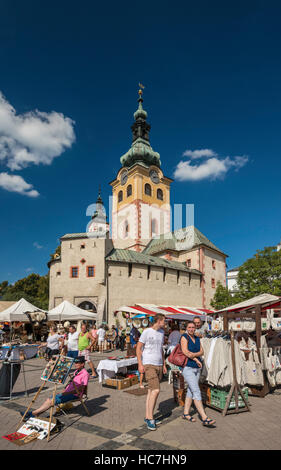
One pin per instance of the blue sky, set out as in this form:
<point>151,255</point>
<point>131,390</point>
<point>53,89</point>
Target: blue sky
<point>69,76</point>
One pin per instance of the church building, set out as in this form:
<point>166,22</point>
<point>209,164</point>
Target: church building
<point>143,261</point>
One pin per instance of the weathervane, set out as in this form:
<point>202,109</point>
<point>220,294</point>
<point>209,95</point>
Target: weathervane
<point>142,87</point>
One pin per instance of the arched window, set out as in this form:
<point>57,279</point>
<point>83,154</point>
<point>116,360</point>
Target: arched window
<point>153,227</point>
<point>160,194</point>
<point>126,228</point>
<point>147,189</point>
<point>129,190</point>
<point>86,305</point>
<point>120,196</point>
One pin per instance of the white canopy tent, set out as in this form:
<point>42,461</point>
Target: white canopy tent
<point>67,311</point>
<point>17,311</point>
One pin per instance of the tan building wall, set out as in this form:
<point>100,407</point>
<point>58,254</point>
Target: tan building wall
<point>218,273</point>
<point>178,288</point>
<point>77,290</point>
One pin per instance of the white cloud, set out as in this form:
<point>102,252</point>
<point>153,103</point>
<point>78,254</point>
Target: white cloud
<point>36,245</point>
<point>202,153</point>
<point>16,183</point>
<point>212,168</point>
<point>32,138</point>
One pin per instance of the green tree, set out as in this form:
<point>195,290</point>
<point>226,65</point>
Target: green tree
<point>222,298</point>
<point>34,288</point>
<point>260,274</point>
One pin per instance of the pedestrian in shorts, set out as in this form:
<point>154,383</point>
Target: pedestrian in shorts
<point>150,356</point>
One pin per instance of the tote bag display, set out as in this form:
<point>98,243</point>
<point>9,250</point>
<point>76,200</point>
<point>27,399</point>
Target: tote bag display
<point>253,371</point>
<point>265,324</point>
<point>236,325</point>
<point>249,325</point>
<point>217,325</point>
<point>276,324</point>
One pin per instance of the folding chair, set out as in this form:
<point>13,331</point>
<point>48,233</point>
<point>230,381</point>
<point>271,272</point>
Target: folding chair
<point>81,399</point>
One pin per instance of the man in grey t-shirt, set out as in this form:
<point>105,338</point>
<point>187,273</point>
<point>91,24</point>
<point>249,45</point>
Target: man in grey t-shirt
<point>200,328</point>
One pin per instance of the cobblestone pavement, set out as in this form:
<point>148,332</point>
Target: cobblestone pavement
<point>116,421</point>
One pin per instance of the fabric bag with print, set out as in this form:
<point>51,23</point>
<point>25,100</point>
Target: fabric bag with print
<point>249,325</point>
<point>276,324</point>
<point>253,371</point>
<point>270,361</point>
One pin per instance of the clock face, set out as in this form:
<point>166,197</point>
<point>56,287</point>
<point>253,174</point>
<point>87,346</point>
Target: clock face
<point>124,177</point>
<point>154,176</point>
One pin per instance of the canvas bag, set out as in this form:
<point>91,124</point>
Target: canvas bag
<point>217,325</point>
<point>276,324</point>
<point>265,324</point>
<point>270,361</point>
<point>236,325</point>
<point>253,371</point>
<point>249,325</point>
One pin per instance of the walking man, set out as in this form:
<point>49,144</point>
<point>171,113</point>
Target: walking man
<point>85,341</point>
<point>150,356</point>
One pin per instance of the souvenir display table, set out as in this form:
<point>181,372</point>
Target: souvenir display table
<point>28,350</point>
<point>109,367</point>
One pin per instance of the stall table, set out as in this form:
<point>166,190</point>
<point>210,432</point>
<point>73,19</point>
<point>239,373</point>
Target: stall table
<point>107,368</point>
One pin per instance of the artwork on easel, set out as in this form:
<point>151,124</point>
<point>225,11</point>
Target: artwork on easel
<point>48,369</point>
<point>61,370</point>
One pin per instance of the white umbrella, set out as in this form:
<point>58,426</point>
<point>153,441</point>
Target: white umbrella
<point>67,311</point>
<point>17,311</point>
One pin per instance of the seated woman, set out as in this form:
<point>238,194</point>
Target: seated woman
<point>80,379</point>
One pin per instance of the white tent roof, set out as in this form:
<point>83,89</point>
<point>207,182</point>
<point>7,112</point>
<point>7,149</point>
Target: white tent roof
<point>16,312</point>
<point>67,311</point>
<point>257,300</point>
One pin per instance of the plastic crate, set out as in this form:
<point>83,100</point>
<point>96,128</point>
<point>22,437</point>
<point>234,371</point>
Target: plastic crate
<point>219,397</point>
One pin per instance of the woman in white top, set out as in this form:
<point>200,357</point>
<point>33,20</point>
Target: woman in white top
<point>53,343</point>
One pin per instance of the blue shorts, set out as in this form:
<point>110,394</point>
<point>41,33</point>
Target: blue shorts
<point>60,398</point>
<point>72,354</point>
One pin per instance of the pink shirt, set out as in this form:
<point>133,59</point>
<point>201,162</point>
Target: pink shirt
<point>82,378</point>
<point>94,333</point>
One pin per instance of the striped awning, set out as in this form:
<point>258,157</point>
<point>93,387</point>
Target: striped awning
<point>171,312</point>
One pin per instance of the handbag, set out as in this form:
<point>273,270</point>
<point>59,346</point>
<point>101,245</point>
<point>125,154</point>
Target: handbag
<point>253,371</point>
<point>177,357</point>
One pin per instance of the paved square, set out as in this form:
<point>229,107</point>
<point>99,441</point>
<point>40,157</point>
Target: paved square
<point>116,421</point>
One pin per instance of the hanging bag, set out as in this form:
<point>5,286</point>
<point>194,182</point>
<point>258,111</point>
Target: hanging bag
<point>217,325</point>
<point>276,324</point>
<point>236,325</point>
<point>253,371</point>
<point>265,324</point>
<point>249,325</point>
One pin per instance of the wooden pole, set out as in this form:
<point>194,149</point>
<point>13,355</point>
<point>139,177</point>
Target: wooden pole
<point>32,401</point>
<point>51,412</point>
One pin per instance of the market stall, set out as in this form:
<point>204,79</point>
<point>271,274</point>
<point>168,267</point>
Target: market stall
<point>68,311</point>
<point>13,353</point>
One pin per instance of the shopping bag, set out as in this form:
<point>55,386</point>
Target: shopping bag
<point>276,323</point>
<point>270,361</point>
<point>253,371</point>
<point>249,325</point>
<point>236,325</point>
<point>217,325</point>
<point>265,324</point>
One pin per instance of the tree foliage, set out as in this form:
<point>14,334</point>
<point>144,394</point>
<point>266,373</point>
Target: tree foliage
<point>34,288</point>
<point>260,274</point>
<point>222,298</point>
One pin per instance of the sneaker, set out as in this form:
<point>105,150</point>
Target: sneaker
<point>150,423</point>
<point>156,420</point>
<point>28,415</point>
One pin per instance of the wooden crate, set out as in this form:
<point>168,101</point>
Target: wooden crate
<point>119,384</point>
<point>205,393</point>
<point>134,380</point>
<point>179,396</point>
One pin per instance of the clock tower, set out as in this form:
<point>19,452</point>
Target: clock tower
<point>141,192</point>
